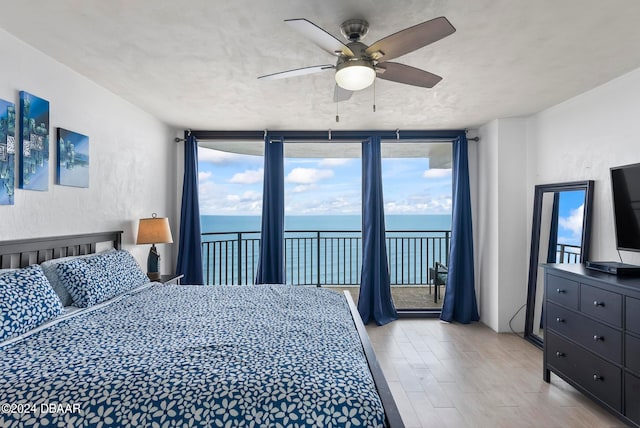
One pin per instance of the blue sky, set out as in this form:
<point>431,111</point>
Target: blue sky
<point>231,184</point>
<point>570,215</point>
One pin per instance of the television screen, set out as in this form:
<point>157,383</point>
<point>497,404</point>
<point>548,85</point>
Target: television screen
<point>625,183</point>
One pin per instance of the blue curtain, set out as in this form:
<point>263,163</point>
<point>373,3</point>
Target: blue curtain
<point>271,257</point>
<point>190,247</point>
<point>460,298</point>
<point>552,249</point>
<point>375,302</point>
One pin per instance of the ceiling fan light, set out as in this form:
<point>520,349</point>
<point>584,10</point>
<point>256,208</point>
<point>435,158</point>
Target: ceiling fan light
<point>355,75</point>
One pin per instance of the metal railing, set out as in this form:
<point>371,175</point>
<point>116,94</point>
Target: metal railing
<point>566,253</point>
<point>327,257</point>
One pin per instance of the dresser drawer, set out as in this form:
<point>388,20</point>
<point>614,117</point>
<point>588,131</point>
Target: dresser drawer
<point>632,397</point>
<point>633,315</point>
<point>600,378</point>
<point>601,304</point>
<point>632,354</point>
<point>597,337</point>
<point>562,291</point>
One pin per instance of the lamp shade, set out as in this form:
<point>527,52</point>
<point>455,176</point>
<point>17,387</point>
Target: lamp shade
<point>354,75</point>
<point>154,230</point>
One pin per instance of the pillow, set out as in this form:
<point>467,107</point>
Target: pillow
<point>49,269</point>
<point>26,301</point>
<point>93,280</point>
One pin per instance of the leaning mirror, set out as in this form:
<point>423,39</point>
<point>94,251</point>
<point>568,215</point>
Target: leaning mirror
<point>560,233</point>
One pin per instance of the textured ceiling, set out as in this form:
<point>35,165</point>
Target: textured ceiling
<point>193,64</point>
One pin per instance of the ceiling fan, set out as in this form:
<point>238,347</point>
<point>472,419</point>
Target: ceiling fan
<point>358,64</point>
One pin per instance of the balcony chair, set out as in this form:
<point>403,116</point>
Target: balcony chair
<point>438,275</point>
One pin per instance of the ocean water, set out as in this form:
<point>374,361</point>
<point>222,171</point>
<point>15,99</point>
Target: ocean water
<point>329,252</point>
<point>217,223</point>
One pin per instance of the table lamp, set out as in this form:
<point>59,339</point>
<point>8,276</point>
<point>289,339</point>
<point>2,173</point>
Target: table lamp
<point>154,230</point>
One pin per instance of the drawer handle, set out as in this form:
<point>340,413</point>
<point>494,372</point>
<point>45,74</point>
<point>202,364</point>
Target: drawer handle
<point>596,378</point>
<point>559,319</point>
<point>560,290</point>
<point>596,338</point>
<point>596,303</point>
<point>560,354</point>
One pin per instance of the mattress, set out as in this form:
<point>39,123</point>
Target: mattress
<point>179,355</point>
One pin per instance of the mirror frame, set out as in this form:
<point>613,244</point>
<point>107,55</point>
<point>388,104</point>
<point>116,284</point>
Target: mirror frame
<point>539,192</point>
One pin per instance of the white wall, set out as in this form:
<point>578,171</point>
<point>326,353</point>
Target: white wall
<point>581,139</point>
<point>487,225</point>
<point>502,232</point>
<point>132,157</point>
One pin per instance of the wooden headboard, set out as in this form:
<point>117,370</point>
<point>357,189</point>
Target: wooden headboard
<point>24,252</point>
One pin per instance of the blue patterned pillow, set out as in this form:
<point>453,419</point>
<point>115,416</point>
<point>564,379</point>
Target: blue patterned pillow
<point>26,301</point>
<point>99,278</point>
<point>50,271</point>
<point>120,268</point>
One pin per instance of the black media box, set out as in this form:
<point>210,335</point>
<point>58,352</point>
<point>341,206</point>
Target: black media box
<point>614,268</point>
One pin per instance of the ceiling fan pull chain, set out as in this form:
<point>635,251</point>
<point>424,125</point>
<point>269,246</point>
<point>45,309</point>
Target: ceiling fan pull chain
<point>374,96</point>
<point>337,116</point>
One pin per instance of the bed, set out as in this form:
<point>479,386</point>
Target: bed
<point>181,355</point>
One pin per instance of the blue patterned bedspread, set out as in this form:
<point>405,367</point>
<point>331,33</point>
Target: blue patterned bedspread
<point>179,355</point>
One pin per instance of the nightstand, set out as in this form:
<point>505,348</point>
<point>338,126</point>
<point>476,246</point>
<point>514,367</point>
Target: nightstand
<point>171,279</point>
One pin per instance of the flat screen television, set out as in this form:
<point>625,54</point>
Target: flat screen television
<point>625,184</point>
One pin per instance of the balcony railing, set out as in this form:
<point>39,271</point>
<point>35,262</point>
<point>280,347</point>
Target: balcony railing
<point>566,253</point>
<point>324,257</point>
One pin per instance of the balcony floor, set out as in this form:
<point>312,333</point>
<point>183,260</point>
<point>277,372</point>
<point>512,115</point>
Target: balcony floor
<point>404,297</point>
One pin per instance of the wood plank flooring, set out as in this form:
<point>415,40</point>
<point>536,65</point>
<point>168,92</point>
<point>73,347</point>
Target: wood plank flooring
<point>452,375</point>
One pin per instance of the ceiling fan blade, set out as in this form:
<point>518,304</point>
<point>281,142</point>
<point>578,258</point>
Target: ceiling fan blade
<point>410,39</point>
<point>341,94</point>
<point>320,37</point>
<point>406,74</point>
<point>297,72</point>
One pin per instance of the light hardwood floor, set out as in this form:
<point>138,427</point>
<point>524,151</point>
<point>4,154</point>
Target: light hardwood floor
<point>453,375</point>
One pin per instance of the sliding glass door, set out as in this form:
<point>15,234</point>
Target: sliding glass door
<point>417,198</point>
<point>323,238</point>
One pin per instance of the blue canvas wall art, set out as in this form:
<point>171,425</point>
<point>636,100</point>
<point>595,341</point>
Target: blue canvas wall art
<point>7,152</point>
<point>73,159</point>
<point>34,138</point>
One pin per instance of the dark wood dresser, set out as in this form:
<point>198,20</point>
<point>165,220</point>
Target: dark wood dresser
<point>592,336</point>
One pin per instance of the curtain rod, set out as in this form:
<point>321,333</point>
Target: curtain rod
<point>327,141</point>
<point>384,140</point>
<point>329,135</point>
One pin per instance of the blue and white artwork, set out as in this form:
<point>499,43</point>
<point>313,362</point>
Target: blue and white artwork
<point>7,152</point>
<point>73,159</point>
<point>34,137</point>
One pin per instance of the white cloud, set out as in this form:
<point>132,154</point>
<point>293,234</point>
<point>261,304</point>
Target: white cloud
<point>573,222</point>
<point>303,188</point>
<point>248,196</point>
<point>204,176</point>
<point>420,204</point>
<point>308,175</point>
<point>330,162</point>
<point>215,200</point>
<point>343,205</point>
<point>331,205</point>
<point>436,173</point>
<point>209,193</point>
<point>248,177</point>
